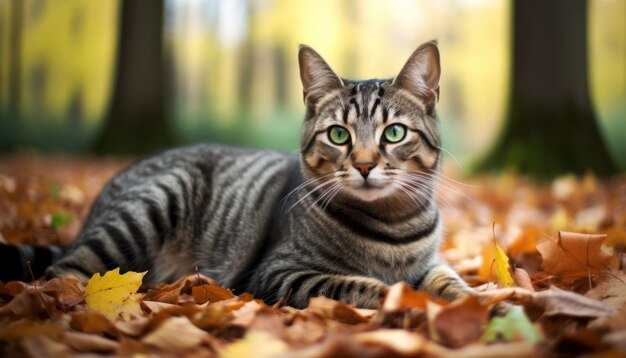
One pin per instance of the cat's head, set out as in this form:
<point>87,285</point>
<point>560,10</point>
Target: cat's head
<point>372,139</point>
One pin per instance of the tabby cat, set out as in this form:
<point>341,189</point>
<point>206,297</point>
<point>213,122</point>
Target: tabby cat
<point>351,214</point>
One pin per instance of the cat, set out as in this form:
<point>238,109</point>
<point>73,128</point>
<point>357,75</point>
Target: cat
<point>351,214</point>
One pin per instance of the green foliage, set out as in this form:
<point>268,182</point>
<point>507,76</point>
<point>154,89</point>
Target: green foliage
<point>515,326</point>
<point>60,219</point>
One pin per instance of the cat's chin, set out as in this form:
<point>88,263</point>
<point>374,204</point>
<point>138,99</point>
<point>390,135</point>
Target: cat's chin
<point>368,192</point>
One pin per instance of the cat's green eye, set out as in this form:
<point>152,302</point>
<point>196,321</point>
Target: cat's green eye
<point>338,135</point>
<point>395,133</point>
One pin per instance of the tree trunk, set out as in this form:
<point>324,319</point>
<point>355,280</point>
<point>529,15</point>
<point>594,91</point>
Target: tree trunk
<point>138,116</point>
<point>550,127</point>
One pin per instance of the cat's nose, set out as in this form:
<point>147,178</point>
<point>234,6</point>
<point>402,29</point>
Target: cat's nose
<point>364,168</point>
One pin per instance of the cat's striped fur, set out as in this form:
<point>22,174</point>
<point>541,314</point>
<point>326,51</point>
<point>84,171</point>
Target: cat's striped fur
<point>344,221</point>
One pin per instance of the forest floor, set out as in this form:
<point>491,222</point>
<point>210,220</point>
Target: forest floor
<point>556,250</point>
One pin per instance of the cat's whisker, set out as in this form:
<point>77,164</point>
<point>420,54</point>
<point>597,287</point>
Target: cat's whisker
<point>433,180</point>
<point>443,176</point>
<point>452,156</point>
<point>303,185</point>
<point>331,196</point>
<point>422,186</point>
<point>409,194</point>
<point>419,189</point>
<point>327,182</point>
<point>326,192</point>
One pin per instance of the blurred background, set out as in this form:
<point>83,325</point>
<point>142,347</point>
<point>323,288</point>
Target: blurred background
<point>118,77</point>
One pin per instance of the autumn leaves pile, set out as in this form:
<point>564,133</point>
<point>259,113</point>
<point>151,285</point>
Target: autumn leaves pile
<point>555,255</point>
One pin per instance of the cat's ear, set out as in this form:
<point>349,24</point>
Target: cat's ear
<point>317,77</point>
<point>420,75</point>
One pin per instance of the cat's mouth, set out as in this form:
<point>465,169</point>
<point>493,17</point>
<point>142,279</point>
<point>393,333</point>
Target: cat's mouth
<point>369,190</point>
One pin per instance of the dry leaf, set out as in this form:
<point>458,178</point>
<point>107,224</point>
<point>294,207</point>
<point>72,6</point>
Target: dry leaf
<point>461,322</point>
<point>400,341</point>
<point>255,344</point>
<point>113,294</point>
<point>574,254</point>
<point>44,347</point>
<point>91,322</point>
<point>83,342</point>
<point>27,328</point>
<point>176,335</point>
<point>400,297</point>
<point>336,310</point>
<point>156,307</point>
<point>501,268</point>
<point>560,302</point>
<point>522,279</point>
<point>210,293</point>
<point>246,314</point>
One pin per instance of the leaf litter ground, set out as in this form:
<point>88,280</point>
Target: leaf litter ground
<point>552,252</point>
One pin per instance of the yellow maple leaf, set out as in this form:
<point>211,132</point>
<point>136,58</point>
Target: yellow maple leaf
<point>114,294</point>
<point>502,268</point>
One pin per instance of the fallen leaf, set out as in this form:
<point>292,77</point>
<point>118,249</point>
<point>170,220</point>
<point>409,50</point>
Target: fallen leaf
<point>246,314</point>
<point>91,322</point>
<point>501,267</point>
<point>156,307</point>
<point>497,350</point>
<point>210,293</point>
<point>526,242</point>
<point>522,279</point>
<point>556,301</point>
<point>400,341</point>
<point>336,310</point>
<point>176,335</point>
<point>68,292</point>
<point>256,344</point>
<point>401,297</point>
<point>27,328</point>
<point>83,342</point>
<point>515,326</point>
<point>43,347</point>
<point>461,322</point>
<point>574,254</point>
<point>113,294</point>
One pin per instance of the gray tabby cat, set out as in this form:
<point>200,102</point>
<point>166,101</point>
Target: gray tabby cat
<point>351,214</point>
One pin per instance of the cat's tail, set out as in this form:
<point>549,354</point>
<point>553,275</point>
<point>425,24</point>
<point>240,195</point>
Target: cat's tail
<point>14,261</point>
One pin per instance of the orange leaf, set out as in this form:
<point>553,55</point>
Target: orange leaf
<point>400,297</point>
<point>211,293</point>
<point>461,322</point>
<point>574,254</point>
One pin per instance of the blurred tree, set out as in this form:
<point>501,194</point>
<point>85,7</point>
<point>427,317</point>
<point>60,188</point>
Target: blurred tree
<point>138,117</point>
<point>550,127</point>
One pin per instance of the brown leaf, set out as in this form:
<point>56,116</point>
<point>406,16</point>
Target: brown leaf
<point>574,254</point>
<point>522,279</point>
<point>461,322</point>
<point>27,328</point>
<point>172,292</point>
<point>43,347</point>
<point>68,292</point>
<point>613,294</point>
<point>246,314</point>
<point>176,335</point>
<point>29,303</point>
<point>91,322</point>
<point>83,342</point>
<point>400,297</point>
<point>336,310</point>
<point>555,301</point>
<point>156,307</point>
<point>210,293</point>
<point>400,341</point>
